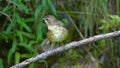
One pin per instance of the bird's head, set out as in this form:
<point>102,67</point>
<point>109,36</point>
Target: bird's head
<point>50,20</point>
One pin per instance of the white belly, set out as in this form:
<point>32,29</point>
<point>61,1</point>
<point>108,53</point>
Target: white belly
<point>58,35</point>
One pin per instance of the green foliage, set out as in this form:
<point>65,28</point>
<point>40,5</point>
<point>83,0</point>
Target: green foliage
<point>37,11</point>
<point>77,65</point>
<point>31,65</point>
<point>44,61</point>
<point>65,21</point>
<point>22,30</point>
<point>71,55</point>
<point>9,56</point>
<point>26,55</point>
<point>52,7</point>
<point>112,22</point>
<point>21,23</point>
<point>17,57</point>
<point>14,45</point>
<point>1,63</point>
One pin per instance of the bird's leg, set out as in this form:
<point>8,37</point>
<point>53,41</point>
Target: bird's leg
<point>55,45</point>
<point>52,46</point>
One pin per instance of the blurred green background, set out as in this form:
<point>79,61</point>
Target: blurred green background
<point>22,31</point>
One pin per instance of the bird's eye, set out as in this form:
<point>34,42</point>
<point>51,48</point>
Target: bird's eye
<point>46,19</point>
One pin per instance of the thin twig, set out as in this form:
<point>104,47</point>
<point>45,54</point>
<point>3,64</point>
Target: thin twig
<point>14,3</point>
<point>6,7</point>
<point>80,34</point>
<point>46,54</point>
<point>6,16</point>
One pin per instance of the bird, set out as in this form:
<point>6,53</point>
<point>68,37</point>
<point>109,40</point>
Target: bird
<point>57,32</point>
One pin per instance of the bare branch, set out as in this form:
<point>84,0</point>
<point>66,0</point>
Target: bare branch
<point>6,16</point>
<point>46,54</point>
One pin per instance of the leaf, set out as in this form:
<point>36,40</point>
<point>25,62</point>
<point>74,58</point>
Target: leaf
<point>30,49</point>
<point>44,3</point>
<point>17,57</point>
<point>1,63</point>
<point>39,32</point>
<point>102,44</point>
<point>24,7</point>
<point>23,24</point>
<point>50,4</point>
<point>14,45</point>
<point>2,36</point>
<point>9,28</point>
<point>27,0</point>
<point>9,56</point>
<point>31,42</point>
<point>17,1</point>
<point>37,11</point>
<point>65,21</point>
<point>32,65</point>
<point>44,61</point>
<point>19,35</point>
<point>115,18</point>
<point>28,35</point>
<point>44,28</point>
<point>26,55</point>
<point>28,20</point>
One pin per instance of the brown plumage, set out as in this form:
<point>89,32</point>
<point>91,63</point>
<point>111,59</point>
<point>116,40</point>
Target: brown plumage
<point>56,30</point>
